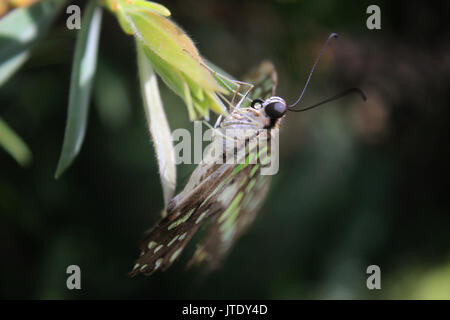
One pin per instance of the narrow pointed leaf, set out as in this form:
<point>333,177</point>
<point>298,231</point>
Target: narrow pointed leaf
<point>172,54</point>
<point>83,71</point>
<point>173,45</point>
<point>19,30</point>
<point>181,84</point>
<point>158,125</point>
<point>123,21</point>
<point>142,5</point>
<point>14,145</point>
<point>226,84</point>
<point>136,5</point>
<point>188,100</point>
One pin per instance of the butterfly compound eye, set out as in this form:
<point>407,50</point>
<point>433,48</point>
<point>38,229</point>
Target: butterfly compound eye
<point>276,110</point>
<point>257,104</point>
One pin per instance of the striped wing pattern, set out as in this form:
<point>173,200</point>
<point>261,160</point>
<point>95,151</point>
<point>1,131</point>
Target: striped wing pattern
<point>230,223</point>
<point>225,196</point>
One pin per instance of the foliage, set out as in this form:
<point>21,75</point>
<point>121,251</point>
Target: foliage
<point>170,52</point>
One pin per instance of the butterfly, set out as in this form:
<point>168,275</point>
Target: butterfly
<point>220,195</point>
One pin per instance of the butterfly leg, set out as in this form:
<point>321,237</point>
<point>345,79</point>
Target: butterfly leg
<point>245,96</point>
<point>231,104</point>
<point>237,83</point>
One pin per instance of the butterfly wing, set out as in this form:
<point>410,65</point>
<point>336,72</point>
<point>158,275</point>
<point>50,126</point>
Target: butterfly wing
<point>265,79</point>
<point>226,195</point>
<point>246,195</point>
<point>163,244</point>
<point>247,192</point>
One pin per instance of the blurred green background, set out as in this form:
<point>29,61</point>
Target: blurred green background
<point>359,183</point>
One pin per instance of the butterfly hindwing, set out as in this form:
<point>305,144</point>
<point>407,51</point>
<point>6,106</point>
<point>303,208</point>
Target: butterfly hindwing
<point>265,80</point>
<point>229,224</point>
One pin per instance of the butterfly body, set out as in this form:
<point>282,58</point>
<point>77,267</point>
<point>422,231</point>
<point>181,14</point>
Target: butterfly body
<point>225,192</point>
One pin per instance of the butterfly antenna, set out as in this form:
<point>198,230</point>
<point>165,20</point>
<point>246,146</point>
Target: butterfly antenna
<point>339,95</point>
<point>331,36</point>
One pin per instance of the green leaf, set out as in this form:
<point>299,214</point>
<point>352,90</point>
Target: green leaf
<point>83,71</point>
<point>158,125</point>
<point>226,81</point>
<point>142,5</point>
<point>173,45</point>
<point>136,5</point>
<point>19,30</point>
<point>14,145</point>
<point>173,56</point>
<point>183,86</point>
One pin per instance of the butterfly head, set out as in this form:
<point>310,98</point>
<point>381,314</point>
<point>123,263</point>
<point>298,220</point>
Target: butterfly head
<point>273,108</point>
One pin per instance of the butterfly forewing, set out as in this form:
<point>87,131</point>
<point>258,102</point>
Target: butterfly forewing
<point>227,196</point>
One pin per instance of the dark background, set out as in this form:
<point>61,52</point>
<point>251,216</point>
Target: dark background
<point>359,183</point>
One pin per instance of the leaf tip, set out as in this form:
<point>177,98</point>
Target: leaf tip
<point>63,164</point>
